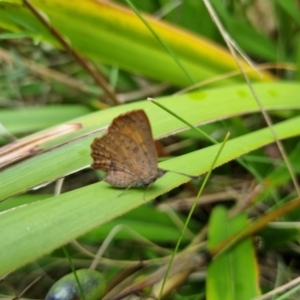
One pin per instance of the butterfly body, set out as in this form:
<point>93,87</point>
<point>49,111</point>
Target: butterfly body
<point>126,152</point>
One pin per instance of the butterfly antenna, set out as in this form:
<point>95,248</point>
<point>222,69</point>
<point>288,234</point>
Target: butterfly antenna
<point>187,175</point>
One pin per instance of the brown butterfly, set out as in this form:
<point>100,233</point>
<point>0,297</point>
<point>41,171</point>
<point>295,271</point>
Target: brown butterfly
<point>127,153</point>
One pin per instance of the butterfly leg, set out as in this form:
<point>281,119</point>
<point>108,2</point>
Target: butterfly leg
<point>127,188</point>
<point>130,186</point>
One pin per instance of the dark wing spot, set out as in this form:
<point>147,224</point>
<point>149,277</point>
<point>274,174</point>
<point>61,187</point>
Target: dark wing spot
<point>135,149</point>
<point>112,166</point>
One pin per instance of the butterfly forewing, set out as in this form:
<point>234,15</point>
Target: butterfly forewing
<point>135,126</point>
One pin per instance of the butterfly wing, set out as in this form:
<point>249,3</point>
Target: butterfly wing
<point>127,152</point>
<point>135,126</point>
<point>106,159</point>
